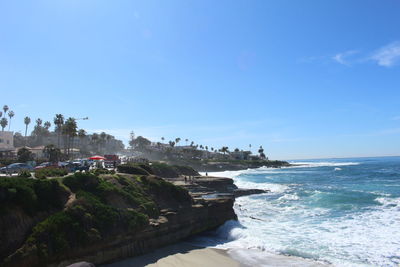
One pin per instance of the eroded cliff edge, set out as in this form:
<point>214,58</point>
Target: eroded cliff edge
<point>103,218</point>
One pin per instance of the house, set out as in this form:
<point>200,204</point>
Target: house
<point>240,155</point>
<point>7,149</point>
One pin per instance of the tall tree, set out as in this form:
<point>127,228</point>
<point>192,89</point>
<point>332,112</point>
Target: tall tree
<point>224,149</point>
<point>47,125</point>
<point>103,137</point>
<point>5,108</point>
<point>140,143</point>
<point>3,123</point>
<point>27,120</point>
<point>39,122</point>
<point>186,140</point>
<point>53,153</point>
<point>261,152</point>
<point>177,140</point>
<point>70,130</point>
<point>81,133</point>
<point>58,122</point>
<point>95,141</point>
<point>10,115</point>
<point>1,114</point>
<point>24,155</point>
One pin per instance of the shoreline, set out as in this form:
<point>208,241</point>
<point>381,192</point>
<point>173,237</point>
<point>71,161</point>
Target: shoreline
<point>184,254</point>
<point>181,254</point>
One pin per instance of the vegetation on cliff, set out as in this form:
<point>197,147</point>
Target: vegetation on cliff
<point>157,168</point>
<point>100,207</point>
<point>31,195</point>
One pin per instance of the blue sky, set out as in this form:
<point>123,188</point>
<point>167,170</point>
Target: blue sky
<point>305,79</point>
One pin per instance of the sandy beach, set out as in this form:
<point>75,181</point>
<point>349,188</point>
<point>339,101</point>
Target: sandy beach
<point>183,255</point>
<point>186,255</point>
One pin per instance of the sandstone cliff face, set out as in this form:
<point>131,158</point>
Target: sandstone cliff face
<point>170,227</point>
<point>173,215</point>
<point>15,227</point>
<point>24,203</point>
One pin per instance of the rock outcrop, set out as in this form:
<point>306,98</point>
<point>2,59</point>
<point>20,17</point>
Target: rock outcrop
<point>77,233</point>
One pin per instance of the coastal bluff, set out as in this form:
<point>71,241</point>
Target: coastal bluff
<point>102,218</point>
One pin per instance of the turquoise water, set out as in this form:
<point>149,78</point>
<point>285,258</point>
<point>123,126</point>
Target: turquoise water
<point>340,211</point>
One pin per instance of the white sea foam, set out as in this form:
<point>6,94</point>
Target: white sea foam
<point>385,201</point>
<point>364,239</point>
<point>308,164</point>
<point>274,188</point>
<point>298,164</point>
<point>289,222</point>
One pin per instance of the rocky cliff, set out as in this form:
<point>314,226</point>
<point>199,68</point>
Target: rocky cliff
<point>102,218</point>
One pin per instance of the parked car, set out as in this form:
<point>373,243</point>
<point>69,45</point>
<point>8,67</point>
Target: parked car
<point>47,165</point>
<point>66,165</point>
<point>16,167</point>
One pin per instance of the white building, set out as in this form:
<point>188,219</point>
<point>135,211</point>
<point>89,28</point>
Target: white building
<point>6,144</point>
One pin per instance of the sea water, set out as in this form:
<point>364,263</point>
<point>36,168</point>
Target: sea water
<point>345,212</point>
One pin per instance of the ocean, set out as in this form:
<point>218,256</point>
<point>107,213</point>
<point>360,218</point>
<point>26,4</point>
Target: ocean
<point>344,212</point>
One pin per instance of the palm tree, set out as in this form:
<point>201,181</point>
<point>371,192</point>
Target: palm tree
<point>186,140</point>
<point>27,120</point>
<point>162,138</point>
<point>81,133</point>
<point>58,121</point>
<point>81,136</point>
<point>70,129</point>
<point>39,122</point>
<point>177,140</point>
<point>103,137</point>
<point>3,123</point>
<point>249,147</point>
<point>47,125</point>
<point>1,114</point>
<point>5,108</point>
<point>95,141</point>
<point>261,151</point>
<point>10,114</point>
<point>224,149</point>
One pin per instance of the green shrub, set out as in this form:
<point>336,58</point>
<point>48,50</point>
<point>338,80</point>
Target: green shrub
<point>31,195</point>
<point>132,169</point>
<point>82,181</point>
<point>161,187</point>
<point>164,170</point>
<point>50,172</point>
<point>24,174</point>
<point>102,171</point>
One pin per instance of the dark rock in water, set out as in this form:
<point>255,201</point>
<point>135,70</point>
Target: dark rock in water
<point>246,192</point>
<point>82,264</point>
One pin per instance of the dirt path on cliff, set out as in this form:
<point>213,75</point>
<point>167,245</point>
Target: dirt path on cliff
<point>70,200</point>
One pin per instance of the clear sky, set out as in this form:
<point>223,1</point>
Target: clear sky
<point>305,79</point>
